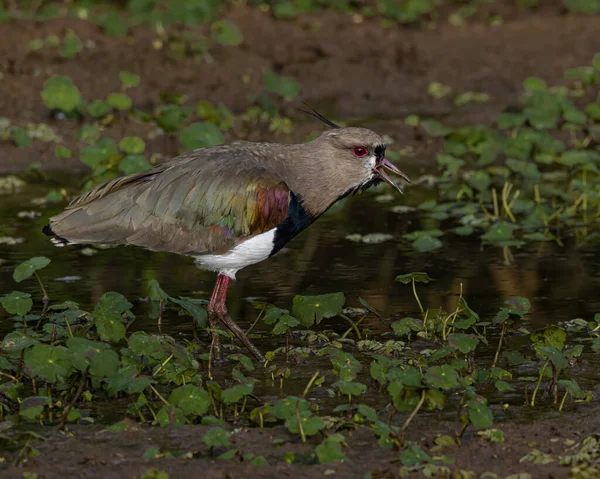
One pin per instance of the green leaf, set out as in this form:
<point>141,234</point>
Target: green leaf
<point>508,121</point>
<point>406,326</point>
<point>16,341</point>
<point>17,303</point>
<point>60,93</point>
<point>191,399</point>
<point>51,363</point>
<point>480,180</point>
<point>408,376</point>
<point>171,117</point>
<point>435,128</point>
<point>330,450</point>
<point>71,45</point>
<point>244,360</point>
<point>534,84</point>
<point>100,153</point>
<point>168,415</point>
<point>286,87</point>
<point>155,292</point>
<point>555,356</point>
<point>443,377</point>
<point>236,393</point>
<point>62,152</point>
<point>226,33</point>
<point>504,386</point>
<point>132,145</point>
<point>480,415</point>
<point>494,435</point>
<point>98,108</point>
<point>573,388</point>
<point>198,313</point>
<point>113,24</point>
<point>414,455</point>
<point>149,345</point>
<point>583,6</point>
<point>108,316</point>
<point>134,164</point>
<point>99,357</point>
<point>129,80</point>
<point>350,388</point>
<point>286,408</point>
<point>465,343</point>
<point>21,137</point>
<point>551,336</point>
<point>425,243</point>
<point>273,314</point>
<point>368,306</point>
<point>367,412</point>
<point>119,101</point>
<point>285,322</point>
<point>500,232</point>
<point>311,424</point>
<point>31,408</point>
<point>312,309</point>
<point>518,306</point>
<point>416,277</point>
<point>593,110</point>
<point>126,380</point>
<point>200,135</point>
<point>217,437</point>
<point>27,268</point>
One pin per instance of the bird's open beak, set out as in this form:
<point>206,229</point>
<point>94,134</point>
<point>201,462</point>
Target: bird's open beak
<point>383,165</point>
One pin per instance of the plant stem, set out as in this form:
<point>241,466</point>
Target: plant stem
<point>162,365</point>
<point>45,297</point>
<point>562,403</point>
<point>165,402</point>
<point>414,288</point>
<point>414,413</point>
<point>78,393</point>
<point>255,321</point>
<point>310,383</point>
<point>532,404</point>
<point>300,428</point>
<point>6,375</point>
<point>499,345</point>
<point>353,325</point>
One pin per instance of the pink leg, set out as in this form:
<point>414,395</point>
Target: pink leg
<point>217,310</point>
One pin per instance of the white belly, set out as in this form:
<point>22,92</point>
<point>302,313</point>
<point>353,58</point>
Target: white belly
<point>252,251</point>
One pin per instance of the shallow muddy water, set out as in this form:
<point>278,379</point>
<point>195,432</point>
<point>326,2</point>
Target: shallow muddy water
<point>561,282</point>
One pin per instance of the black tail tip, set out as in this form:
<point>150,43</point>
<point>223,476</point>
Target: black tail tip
<point>47,230</point>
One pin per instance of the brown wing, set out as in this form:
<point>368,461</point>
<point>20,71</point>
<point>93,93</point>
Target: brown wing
<point>205,201</point>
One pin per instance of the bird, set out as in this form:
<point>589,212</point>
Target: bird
<point>228,206</point>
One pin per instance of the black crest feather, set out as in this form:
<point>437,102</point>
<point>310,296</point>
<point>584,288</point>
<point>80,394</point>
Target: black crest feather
<point>312,112</point>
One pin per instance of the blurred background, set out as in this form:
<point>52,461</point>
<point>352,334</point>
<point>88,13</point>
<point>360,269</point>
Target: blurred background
<point>472,95</point>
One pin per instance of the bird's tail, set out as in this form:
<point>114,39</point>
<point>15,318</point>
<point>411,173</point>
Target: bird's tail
<point>56,240</point>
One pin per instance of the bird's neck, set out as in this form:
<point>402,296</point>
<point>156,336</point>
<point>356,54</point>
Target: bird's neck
<point>316,181</point>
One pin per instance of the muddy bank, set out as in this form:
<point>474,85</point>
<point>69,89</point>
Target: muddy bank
<point>352,70</point>
<point>93,452</point>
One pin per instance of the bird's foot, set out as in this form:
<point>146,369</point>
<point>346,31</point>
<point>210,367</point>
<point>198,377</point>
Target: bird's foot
<point>237,331</point>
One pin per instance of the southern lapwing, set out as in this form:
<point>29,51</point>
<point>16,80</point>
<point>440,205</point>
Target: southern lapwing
<point>229,206</point>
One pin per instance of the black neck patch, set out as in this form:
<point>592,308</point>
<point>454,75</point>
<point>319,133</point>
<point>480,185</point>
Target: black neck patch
<point>296,220</point>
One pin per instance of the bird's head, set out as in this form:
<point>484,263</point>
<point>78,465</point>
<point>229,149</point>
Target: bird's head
<point>359,156</point>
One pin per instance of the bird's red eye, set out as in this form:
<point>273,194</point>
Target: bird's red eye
<point>360,151</point>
